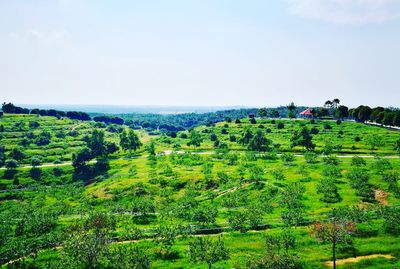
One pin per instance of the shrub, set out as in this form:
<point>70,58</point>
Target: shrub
<point>327,126</point>
<point>268,130</point>
<point>310,156</point>
<point>357,138</point>
<point>358,161</point>
<point>338,122</point>
<point>281,125</point>
<point>314,130</point>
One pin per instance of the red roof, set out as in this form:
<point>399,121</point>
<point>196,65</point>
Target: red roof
<point>306,112</point>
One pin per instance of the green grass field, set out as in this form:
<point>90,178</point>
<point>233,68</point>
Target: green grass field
<point>200,189</point>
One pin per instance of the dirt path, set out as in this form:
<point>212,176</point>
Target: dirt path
<point>381,197</point>
<point>359,258</point>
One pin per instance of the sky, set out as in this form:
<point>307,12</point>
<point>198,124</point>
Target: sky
<point>200,52</point>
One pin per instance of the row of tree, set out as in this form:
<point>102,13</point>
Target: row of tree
<point>76,115</point>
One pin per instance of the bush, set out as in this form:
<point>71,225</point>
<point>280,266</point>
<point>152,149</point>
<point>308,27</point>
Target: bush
<point>327,126</point>
<point>253,121</point>
<point>184,135</point>
<point>357,138</point>
<point>314,130</point>
<point>338,122</point>
<point>358,161</point>
<point>268,130</point>
<point>232,138</point>
<point>310,157</point>
<point>281,125</point>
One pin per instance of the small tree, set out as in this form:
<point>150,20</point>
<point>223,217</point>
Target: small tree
<point>11,164</point>
<point>129,141</point>
<point>335,232</point>
<point>310,156</point>
<point>291,201</point>
<point>259,142</point>
<point>329,190</point>
<point>202,249</point>
<point>302,138</point>
<point>374,141</point>
<point>195,139</point>
<point>36,161</point>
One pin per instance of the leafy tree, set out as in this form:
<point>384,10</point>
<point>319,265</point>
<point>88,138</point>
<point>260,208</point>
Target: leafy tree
<point>397,145</point>
<point>11,164</point>
<point>213,137</point>
<point>237,220</point>
<point>392,178</point>
<point>202,249</point>
<point>36,161</point>
<point>374,141</point>
<point>195,139</point>
<point>262,112</point>
<point>204,215</point>
<point>129,141</point>
<point>359,180</point>
<point>165,236</point>
<point>391,216</point>
<point>274,258</point>
<point>327,187</point>
<point>17,154</point>
<point>80,159</point>
<point>358,161</point>
<point>302,138</point>
<point>335,232</point>
<point>2,155</point>
<point>131,257</point>
<point>310,156</point>
<point>95,142</point>
<point>43,138</point>
<point>287,158</point>
<point>293,207</point>
<point>259,142</point>
<point>247,135</point>
<point>291,110</point>
<point>362,113</point>
<point>382,165</point>
<point>342,112</point>
<point>274,113</point>
<point>83,249</point>
<point>151,148</point>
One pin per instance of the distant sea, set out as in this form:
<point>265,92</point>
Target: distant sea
<point>115,109</point>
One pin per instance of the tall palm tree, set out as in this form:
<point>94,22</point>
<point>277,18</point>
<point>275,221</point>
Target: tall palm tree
<point>335,102</point>
<point>328,104</point>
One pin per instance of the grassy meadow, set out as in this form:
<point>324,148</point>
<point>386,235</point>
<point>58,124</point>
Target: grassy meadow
<point>161,203</point>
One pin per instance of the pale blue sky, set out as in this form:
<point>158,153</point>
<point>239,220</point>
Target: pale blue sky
<point>200,52</point>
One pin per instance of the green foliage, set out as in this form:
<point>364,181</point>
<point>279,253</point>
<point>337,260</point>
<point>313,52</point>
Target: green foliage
<point>202,249</point>
<point>293,207</point>
<point>327,187</point>
<point>302,138</point>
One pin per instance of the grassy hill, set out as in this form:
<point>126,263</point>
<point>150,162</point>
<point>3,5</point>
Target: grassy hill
<point>162,203</point>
